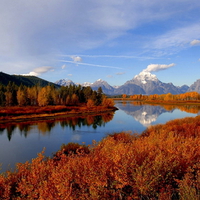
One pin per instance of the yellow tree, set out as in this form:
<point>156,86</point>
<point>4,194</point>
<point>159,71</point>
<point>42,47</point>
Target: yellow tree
<point>168,97</point>
<point>32,94</point>
<point>124,96</point>
<point>22,96</point>
<point>43,97</point>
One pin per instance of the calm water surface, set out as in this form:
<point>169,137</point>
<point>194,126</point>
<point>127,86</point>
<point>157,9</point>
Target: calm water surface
<point>22,142</point>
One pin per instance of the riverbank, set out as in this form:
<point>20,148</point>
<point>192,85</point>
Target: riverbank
<point>17,114</point>
<point>171,102</point>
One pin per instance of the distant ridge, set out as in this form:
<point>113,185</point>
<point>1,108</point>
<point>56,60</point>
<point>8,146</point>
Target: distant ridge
<point>64,82</point>
<point>25,80</point>
<point>195,86</point>
<point>143,83</point>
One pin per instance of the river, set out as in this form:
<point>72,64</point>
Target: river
<point>23,141</point>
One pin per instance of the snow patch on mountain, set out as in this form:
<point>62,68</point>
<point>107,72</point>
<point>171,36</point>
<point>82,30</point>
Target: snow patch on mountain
<point>64,82</point>
<point>145,76</point>
<point>86,84</point>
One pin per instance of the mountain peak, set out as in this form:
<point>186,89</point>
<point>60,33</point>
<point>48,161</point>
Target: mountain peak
<point>86,84</point>
<point>145,76</point>
<point>65,82</point>
<point>100,82</point>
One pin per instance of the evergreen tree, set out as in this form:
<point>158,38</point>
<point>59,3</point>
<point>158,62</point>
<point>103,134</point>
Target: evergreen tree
<point>99,96</point>
<point>2,95</point>
<point>10,94</point>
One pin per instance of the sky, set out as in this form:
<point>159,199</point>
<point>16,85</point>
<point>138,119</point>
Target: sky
<point>86,40</point>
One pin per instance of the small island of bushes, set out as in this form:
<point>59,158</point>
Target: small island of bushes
<point>22,103</point>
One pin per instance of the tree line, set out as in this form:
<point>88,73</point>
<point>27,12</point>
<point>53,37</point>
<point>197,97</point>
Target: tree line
<point>13,95</point>
<point>188,96</point>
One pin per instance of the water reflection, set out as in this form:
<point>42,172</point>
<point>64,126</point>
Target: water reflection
<point>147,114</point>
<point>45,127</point>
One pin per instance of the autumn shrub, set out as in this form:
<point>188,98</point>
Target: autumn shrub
<point>74,148</point>
<point>90,103</point>
<point>108,102</point>
<point>163,163</point>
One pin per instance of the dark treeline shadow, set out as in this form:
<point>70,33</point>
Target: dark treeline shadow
<point>45,126</point>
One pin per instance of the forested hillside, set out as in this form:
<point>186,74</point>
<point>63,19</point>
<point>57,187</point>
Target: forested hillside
<point>13,95</point>
<point>25,80</point>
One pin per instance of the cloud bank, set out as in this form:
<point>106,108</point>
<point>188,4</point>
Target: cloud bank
<point>158,67</point>
<point>120,73</point>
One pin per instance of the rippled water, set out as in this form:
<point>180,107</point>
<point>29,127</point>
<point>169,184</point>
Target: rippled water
<point>21,142</point>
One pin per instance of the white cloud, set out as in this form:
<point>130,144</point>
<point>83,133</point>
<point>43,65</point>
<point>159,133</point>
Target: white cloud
<point>120,73</point>
<point>157,67</point>
<point>40,70</point>
<point>195,42</point>
<point>174,40</point>
<point>76,58</point>
<point>63,66</point>
<point>102,56</point>
<point>69,74</point>
<point>31,74</point>
<point>88,64</point>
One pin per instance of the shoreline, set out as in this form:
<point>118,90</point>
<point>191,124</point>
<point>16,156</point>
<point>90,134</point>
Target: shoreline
<point>189,102</point>
<point>50,112</point>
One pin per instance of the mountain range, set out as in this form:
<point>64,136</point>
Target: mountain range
<point>143,83</point>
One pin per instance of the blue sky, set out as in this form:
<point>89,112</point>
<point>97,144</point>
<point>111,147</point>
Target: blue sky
<point>86,40</point>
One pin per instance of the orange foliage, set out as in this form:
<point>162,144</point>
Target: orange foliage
<point>188,96</point>
<point>90,103</point>
<point>108,102</point>
<point>163,163</point>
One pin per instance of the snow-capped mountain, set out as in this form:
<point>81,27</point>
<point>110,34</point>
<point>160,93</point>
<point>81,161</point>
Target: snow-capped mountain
<point>145,76</point>
<point>143,83</point>
<point>107,89</point>
<point>86,84</point>
<point>147,83</point>
<point>64,82</point>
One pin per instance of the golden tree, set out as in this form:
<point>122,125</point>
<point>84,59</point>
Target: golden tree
<point>43,97</point>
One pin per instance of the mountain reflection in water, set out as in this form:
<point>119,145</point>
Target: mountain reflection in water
<point>147,114</point>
